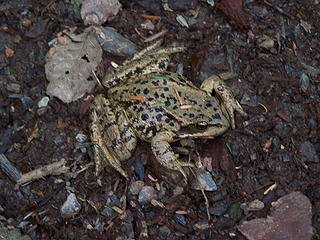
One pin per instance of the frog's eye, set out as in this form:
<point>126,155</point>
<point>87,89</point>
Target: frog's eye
<point>202,125</point>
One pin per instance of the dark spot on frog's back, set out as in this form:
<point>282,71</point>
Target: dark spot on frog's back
<point>159,117</point>
<point>146,91</point>
<point>116,79</point>
<point>144,117</point>
<point>162,65</point>
<point>138,70</point>
<point>159,109</point>
<point>164,81</point>
<point>155,83</point>
<point>216,116</point>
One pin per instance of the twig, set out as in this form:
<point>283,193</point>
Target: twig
<point>157,35</point>
<point>6,166</point>
<point>56,168</point>
<point>279,9</point>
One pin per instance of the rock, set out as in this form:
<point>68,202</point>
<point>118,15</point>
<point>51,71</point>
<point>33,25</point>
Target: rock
<point>265,42</point>
<point>26,101</point>
<point>136,187</point>
<point>308,152</point>
<point>98,12</point>
<point>304,82</point>
<point>204,181</point>
<point>81,137</point>
<point>43,102</point>
<point>12,234</point>
<point>180,219</point>
<point>139,170</point>
<point>70,207</point>
<point>114,43</point>
<point>164,232</point>
<point>256,205</point>
<point>219,208</point>
<point>290,218</point>
<point>14,87</point>
<point>146,194</point>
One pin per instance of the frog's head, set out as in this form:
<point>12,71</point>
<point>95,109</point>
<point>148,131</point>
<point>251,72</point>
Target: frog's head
<point>204,125</point>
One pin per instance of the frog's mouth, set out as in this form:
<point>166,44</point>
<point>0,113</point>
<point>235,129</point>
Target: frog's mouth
<point>193,131</point>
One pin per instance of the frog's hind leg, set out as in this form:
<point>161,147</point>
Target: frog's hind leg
<point>164,153</point>
<point>113,139</point>
<point>154,50</point>
<point>148,60</point>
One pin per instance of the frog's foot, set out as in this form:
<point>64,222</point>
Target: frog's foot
<point>113,140</point>
<point>230,103</point>
<point>164,153</point>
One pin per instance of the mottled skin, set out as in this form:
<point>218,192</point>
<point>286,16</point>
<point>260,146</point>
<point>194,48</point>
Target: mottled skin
<point>142,102</point>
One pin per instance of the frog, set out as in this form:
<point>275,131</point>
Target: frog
<point>144,101</point>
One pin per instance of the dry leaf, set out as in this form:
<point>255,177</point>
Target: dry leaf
<point>9,52</point>
<point>99,11</point>
<point>233,9</point>
<point>69,67</point>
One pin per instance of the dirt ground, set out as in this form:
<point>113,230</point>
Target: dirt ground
<point>274,47</point>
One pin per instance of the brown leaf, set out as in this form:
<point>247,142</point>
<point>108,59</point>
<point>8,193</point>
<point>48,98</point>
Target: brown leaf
<point>223,159</point>
<point>233,9</point>
<point>267,145</point>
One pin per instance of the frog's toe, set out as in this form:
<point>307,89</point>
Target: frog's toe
<point>233,105</point>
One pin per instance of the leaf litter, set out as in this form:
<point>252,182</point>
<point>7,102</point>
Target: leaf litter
<point>70,64</point>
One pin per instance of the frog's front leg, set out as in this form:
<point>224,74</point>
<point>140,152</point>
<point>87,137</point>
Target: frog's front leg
<point>113,139</point>
<point>231,104</point>
<point>164,153</point>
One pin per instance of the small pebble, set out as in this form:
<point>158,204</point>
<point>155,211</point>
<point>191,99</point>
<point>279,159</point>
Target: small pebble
<point>108,212</point>
<point>266,42</point>
<point>139,170</point>
<point>146,194</point>
<point>218,208</point>
<point>286,158</point>
<point>81,137</point>
<point>14,87</point>
<point>164,232</point>
<point>42,111</point>
<point>43,102</point>
<point>136,187</point>
<point>205,181</point>
<point>23,224</point>
<point>304,82</point>
<point>256,205</point>
<point>308,152</point>
<point>180,219</point>
<point>70,207</point>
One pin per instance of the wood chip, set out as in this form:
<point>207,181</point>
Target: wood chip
<point>137,98</point>
<point>178,96</point>
<point>185,107</point>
